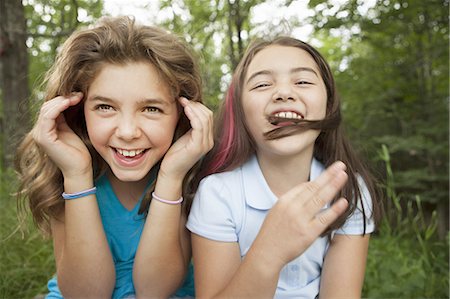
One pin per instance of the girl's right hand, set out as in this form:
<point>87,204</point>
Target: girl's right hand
<point>57,139</point>
<point>298,219</point>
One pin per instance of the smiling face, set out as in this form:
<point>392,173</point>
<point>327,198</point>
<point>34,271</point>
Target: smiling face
<point>283,83</point>
<point>131,118</point>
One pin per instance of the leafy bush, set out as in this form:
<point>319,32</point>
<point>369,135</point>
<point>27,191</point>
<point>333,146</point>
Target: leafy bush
<point>406,257</point>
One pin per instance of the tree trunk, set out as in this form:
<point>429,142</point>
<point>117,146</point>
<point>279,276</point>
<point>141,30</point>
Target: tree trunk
<point>15,116</point>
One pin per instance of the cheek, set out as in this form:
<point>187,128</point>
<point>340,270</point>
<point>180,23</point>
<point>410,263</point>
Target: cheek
<point>318,106</point>
<point>99,131</point>
<point>250,108</point>
<point>163,134</point>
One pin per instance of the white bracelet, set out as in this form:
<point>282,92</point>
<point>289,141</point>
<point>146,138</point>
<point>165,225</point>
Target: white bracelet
<point>170,202</point>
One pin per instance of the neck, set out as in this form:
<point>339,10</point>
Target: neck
<point>282,173</point>
<point>128,193</point>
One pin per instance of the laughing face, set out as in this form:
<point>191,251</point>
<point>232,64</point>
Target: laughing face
<point>131,118</point>
<point>282,86</point>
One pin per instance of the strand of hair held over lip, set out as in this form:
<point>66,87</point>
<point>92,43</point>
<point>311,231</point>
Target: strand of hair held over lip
<point>329,123</point>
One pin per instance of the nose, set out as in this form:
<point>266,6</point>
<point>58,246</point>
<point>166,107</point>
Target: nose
<point>284,92</point>
<point>128,128</point>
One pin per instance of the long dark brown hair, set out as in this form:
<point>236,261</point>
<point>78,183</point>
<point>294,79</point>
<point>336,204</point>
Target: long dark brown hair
<point>115,41</point>
<point>234,144</point>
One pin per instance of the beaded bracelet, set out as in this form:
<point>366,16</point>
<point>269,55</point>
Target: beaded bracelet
<point>170,202</point>
<point>79,194</point>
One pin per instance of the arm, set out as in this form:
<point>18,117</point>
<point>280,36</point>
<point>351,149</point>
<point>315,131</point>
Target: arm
<point>80,246</point>
<point>164,249</point>
<point>218,266</point>
<point>84,263</point>
<point>344,267</point>
<point>219,272</point>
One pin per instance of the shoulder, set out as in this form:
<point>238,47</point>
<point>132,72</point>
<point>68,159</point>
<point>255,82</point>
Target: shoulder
<point>227,178</point>
<point>361,220</point>
<point>217,208</point>
<point>223,187</point>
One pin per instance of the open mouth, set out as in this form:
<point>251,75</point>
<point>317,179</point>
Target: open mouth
<point>285,118</point>
<point>130,154</point>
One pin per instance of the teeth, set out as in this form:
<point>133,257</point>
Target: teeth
<point>289,114</point>
<point>129,153</point>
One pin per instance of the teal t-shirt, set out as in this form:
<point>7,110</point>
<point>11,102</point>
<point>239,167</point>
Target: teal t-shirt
<point>123,230</point>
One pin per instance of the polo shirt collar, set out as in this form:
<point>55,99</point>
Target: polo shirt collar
<point>256,190</point>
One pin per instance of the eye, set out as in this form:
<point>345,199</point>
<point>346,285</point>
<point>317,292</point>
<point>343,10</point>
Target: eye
<point>103,107</point>
<point>152,109</point>
<point>261,85</point>
<point>303,82</point>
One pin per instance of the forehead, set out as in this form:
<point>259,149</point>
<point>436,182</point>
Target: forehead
<point>278,58</point>
<point>131,80</point>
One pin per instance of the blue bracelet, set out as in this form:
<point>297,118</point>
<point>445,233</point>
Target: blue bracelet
<point>79,194</point>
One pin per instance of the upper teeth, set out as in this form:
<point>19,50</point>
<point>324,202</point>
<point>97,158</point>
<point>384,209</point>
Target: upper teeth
<point>129,153</point>
<point>289,114</point>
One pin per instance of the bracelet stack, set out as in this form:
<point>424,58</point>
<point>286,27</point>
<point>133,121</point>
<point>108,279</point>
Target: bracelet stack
<point>170,202</point>
<point>79,194</point>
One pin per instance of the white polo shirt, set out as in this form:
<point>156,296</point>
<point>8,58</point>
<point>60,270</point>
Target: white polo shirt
<point>231,207</point>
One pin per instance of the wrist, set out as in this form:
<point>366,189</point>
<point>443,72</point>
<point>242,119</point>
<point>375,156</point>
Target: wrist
<point>263,264</point>
<point>268,259</point>
<point>170,179</point>
<point>78,182</point>
<point>170,175</point>
<point>168,188</point>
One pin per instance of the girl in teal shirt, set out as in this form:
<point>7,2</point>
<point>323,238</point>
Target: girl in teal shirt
<point>103,169</point>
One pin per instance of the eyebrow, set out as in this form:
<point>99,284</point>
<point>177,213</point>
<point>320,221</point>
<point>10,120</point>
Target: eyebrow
<point>147,101</point>
<point>294,70</point>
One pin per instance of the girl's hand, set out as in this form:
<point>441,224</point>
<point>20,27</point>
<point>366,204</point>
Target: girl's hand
<point>57,139</point>
<point>190,147</point>
<point>297,219</point>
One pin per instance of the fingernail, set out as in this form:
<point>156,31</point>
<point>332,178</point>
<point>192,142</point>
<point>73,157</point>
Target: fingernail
<point>183,99</point>
<point>339,165</point>
<point>343,203</point>
<point>76,94</point>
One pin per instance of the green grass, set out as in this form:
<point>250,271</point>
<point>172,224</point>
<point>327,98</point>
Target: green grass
<point>407,259</point>
<point>26,258</point>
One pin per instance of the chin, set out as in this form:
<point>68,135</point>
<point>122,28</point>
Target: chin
<point>129,176</point>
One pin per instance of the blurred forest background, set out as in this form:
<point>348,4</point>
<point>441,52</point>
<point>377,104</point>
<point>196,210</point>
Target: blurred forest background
<point>391,62</point>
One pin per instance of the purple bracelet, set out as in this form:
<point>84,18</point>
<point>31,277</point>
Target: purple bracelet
<point>170,202</point>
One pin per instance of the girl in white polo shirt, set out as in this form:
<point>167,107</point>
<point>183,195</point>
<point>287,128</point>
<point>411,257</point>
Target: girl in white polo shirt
<point>268,220</point>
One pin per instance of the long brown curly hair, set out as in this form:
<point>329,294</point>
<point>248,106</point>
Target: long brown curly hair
<point>118,40</point>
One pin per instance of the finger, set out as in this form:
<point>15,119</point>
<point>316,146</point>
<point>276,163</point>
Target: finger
<point>206,117</point>
<point>50,111</point>
<point>326,188</point>
<point>315,194</point>
<point>195,118</point>
<point>325,218</point>
<point>53,108</point>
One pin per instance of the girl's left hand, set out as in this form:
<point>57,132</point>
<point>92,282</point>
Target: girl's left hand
<point>190,147</point>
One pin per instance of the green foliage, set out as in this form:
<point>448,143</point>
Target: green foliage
<point>406,257</point>
<point>26,257</point>
<point>49,23</point>
<point>392,73</point>
<point>203,24</point>
<point>219,31</point>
